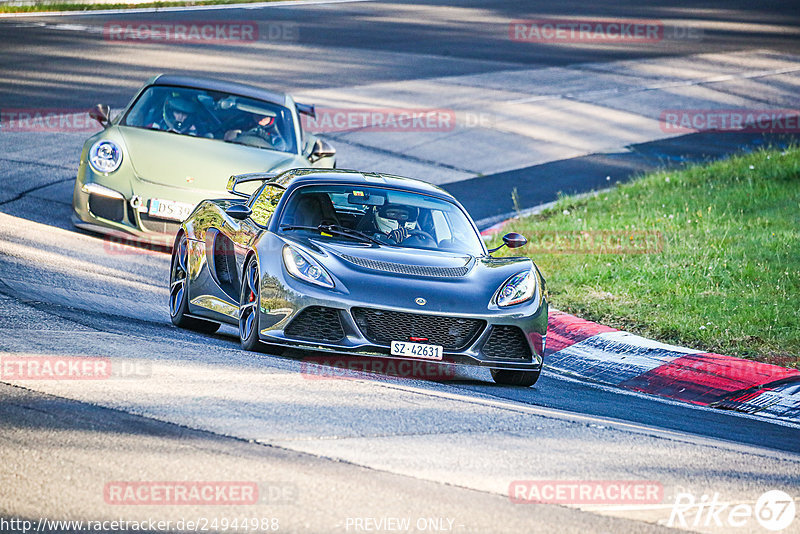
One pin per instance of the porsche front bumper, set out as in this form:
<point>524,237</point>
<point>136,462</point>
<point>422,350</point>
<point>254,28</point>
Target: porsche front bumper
<point>113,206</point>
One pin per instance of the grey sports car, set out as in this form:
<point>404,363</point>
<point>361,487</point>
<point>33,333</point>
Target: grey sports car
<point>370,265</point>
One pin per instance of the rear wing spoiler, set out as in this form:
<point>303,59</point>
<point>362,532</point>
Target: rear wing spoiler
<point>306,109</point>
<point>237,179</point>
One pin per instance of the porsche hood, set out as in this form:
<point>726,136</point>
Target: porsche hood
<point>194,162</point>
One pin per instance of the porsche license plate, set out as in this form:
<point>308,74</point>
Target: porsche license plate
<point>417,350</point>
<point>169,209</point>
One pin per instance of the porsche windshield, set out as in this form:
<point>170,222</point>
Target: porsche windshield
<point>214,115</point>
<point>385,216</point>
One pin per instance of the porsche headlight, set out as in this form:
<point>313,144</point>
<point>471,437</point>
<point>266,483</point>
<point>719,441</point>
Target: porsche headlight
<point>516,289</point>
<point>105,156</point>
<point>301,266</point>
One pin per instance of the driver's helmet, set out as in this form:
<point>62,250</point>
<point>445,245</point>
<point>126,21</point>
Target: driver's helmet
<point>266,121</point>
<point>268,129</point>
<point>391,216</point>
<point>177,104</point>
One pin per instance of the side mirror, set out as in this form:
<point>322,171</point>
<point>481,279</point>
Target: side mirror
<point>322,149</point>
<point>511,240</point>
<point>514,240</point>
<point>238,211</point>
<point>100,113</point>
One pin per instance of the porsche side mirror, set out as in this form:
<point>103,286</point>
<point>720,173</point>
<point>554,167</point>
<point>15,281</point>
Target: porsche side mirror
<point>322,149</point>
<point>238,211</point>
<point>511,240</point>
<point>100,113</point>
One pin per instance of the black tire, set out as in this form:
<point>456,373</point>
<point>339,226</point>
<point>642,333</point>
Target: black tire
<point>515,378</point>
<point>249,298</point>
<point>179,294</point>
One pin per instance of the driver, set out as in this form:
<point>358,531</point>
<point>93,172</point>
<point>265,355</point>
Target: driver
<point>396,221</point>
<point>179,115</point>
<point>262,127</point>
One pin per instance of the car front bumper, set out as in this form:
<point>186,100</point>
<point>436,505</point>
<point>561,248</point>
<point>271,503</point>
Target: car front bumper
<point>114,206</point>
<point>358,342</point>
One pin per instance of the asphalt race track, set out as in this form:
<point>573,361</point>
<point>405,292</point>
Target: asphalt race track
<point>355,453</point>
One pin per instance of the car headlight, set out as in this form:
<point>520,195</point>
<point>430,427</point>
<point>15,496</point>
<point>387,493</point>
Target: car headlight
<point>301,266</point>
<point>516,289</point>
<point>105,156</point>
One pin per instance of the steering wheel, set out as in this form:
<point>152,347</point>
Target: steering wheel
<point>424,237</point>
<point>278,142</point>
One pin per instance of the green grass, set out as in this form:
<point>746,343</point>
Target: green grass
<point>727,278</point>
<point>66,6</point>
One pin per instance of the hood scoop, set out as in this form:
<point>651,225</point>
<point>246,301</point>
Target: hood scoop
<point>403,268</point>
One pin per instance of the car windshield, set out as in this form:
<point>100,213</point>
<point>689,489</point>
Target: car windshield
<point>379,215</point>
<point>214,115</point>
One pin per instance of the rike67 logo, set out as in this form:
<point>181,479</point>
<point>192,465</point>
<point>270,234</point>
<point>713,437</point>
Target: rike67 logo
<point>774,510</point>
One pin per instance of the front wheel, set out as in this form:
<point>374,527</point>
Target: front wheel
<point>249,299</point>
<point>179,291</point>
<point>515,378</point>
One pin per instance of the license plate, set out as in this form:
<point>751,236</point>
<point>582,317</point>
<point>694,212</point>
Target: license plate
<point>417,350</point>
<point>169,209</point>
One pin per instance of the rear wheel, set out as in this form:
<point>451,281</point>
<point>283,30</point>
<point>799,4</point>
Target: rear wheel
<point>249,299</point>
<point>515,378</point>
<point>179,291</point>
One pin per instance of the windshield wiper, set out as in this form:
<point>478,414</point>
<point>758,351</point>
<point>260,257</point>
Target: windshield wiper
<point>335,229</point>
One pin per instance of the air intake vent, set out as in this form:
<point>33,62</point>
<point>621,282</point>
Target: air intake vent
<point>316,323</point>
<point>414,270</point>
<point>382,327</point>
<point>152,224</point>
<point>507,343</point>
<point>112,209</point>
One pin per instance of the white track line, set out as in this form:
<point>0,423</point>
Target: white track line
<point>453,393</point>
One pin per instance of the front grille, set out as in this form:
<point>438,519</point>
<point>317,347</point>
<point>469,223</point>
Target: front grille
<point>161,226</point>
<point>402,268</point>
<point>112,209</point>
<point>316,323</point>
<point>507,343</point>
<point>382,327</point>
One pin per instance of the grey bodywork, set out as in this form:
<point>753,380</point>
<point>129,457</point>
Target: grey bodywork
<point>219,247</point>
